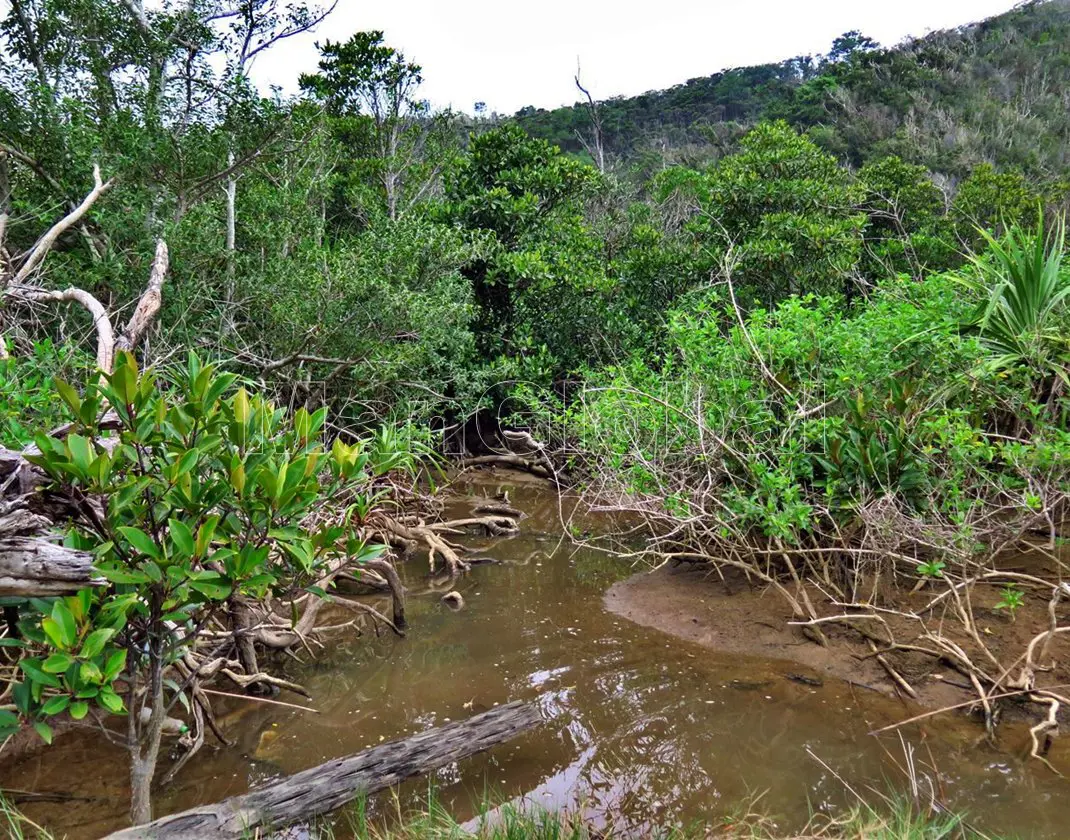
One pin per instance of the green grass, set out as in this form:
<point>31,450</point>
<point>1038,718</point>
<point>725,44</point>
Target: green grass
<point>892,820</point>
<point>15,826</point>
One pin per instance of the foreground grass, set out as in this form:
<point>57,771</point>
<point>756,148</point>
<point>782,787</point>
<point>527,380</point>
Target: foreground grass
<point>16,826</point>
<point>895,820</point>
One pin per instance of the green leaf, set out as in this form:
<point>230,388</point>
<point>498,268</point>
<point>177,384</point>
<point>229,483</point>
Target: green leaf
<point>57,663</point>
<point>187,462</point>
<point>237,477</point>
<point>69,395</point>
<point>94,643</point>
<point>241,406</point>
<point>215,591</point>
<point>55,705</point>
<point>114,666</point>
<point>204,536</point>
<point>140,540</point>
<point>91,673</point>
<point>182,536</point>
<point>110,701</point>
<point>32,669</point>
<point>79,709</point>
<point>120,576</point>
<point>44,730</point>
<point>22,696</point>
<point>61,615</point>
<point>124,382</point>
<point>54,632</point>
<point>81,453</point>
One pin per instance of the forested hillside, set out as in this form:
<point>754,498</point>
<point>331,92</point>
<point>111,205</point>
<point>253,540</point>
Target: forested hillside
<point>991,91</point>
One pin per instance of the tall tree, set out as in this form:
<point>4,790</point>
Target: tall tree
<point>371,89</point>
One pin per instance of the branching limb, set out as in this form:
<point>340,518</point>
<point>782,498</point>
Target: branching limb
<point>43,245</point>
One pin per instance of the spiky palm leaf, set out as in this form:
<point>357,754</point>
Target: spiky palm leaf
<point>1026,291</point>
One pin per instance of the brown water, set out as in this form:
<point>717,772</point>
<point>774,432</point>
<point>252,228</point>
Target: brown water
<point>640,727</point>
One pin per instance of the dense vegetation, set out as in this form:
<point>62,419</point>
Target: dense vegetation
<point>827,322</point>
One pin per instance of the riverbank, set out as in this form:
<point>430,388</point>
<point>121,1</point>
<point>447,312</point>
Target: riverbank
<point>728,615</point>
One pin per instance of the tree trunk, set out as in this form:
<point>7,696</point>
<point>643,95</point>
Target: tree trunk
<point>241,622</point>
<point>35,568</point>
<point>144,733</point>
<point>231,191</point>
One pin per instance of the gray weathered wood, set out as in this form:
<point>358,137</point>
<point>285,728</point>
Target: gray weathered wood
<point>331,785</point>
<point>33,567</point>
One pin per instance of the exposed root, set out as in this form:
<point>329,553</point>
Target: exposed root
<point>246,680</point>
<point>898,678</point>
<point>516,462</point>
<point>370,610</point>
<point>498,509</point>
<point>1047,728</point>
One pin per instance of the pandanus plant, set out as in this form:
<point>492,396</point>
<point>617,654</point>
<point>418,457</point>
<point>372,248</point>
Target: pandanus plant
<point>1021,321</point>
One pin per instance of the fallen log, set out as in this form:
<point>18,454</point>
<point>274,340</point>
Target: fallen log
<point>35,568</point>
<point>331,785</point>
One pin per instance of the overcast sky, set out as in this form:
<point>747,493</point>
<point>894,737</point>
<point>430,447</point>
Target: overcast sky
<point>511,53</point>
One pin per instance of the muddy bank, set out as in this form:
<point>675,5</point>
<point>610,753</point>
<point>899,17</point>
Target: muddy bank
<point>729,616</point>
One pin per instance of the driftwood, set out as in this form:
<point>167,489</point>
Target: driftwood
<point>331,785</point>
<point>31,567</point>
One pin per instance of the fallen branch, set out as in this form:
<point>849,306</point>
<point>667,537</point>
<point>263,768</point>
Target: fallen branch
<point>35,568</point>
<point>331,785</point>
<point>43,245</point>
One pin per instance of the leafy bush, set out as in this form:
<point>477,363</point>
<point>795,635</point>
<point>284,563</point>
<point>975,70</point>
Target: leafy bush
<point>207,492</point>
<point>28,389</point>
<point>789,425</point>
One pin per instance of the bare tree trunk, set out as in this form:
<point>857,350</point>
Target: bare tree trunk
<point>322,789</point>
<point>231,246</point>
<point>145,732</point>
<point>241,622</point>
<point>5,208</point>
<point>5,204</point>
<point>596,148</point>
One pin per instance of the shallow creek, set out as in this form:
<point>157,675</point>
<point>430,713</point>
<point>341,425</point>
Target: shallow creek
<point>642,728</point>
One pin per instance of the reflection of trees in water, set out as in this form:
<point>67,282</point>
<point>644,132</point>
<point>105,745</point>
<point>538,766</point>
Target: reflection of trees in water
<point>598,570</point>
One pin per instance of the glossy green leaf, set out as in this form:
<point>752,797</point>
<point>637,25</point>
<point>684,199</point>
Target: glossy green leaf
<point>140,541</point>
<point>55,705</point>
<point>95,642</point>
<point>44,730</point>
<point>57,663</point>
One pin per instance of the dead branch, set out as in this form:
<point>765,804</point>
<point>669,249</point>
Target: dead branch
<point>149,304</point>
<point>96,310</point>
<point>43,245</point>
<point>514,461</point>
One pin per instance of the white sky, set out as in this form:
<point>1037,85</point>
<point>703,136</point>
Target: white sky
<point>510,54</point>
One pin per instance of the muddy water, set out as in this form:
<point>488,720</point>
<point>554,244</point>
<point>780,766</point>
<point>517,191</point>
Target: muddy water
<point>640,727</point>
